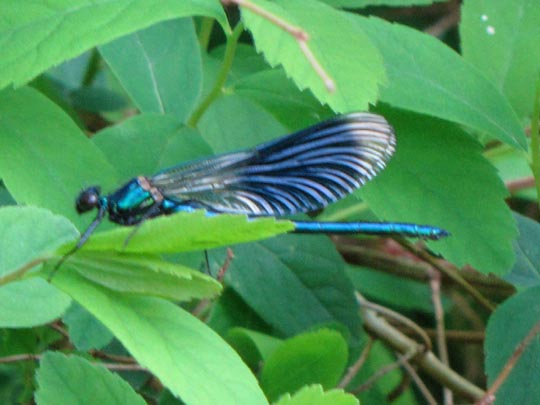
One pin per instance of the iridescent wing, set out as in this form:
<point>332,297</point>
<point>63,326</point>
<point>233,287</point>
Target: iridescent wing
<point>301,172</point>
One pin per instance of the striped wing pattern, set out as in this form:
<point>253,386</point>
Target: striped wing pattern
<point>301,172</point>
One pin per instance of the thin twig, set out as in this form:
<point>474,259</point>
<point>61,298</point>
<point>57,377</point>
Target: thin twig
<point>15,358</point>
<point>450,271</point>
<point>203,305</point>
<point>419,383</point>
<point>301,36</point>
<point>427,361</point>
<point>435,284</point>
<point>489,397</point>
<point>355,368</point>
<point>388,313</point>
<point>385,370</point>
<point>447,22</point>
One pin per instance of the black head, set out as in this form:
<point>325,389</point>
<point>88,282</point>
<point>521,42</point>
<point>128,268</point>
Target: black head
<point>88,199</point>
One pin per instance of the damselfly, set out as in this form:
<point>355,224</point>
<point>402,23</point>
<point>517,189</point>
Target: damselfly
<point>301,172</point>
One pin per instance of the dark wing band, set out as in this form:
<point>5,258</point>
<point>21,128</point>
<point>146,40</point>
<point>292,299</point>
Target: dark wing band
<point>301,172</point>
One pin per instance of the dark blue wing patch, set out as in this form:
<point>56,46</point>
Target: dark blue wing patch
<point>300,172</point>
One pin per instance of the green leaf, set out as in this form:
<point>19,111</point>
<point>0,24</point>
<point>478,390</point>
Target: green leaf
<point>29,303</point>
<point>513,166</point>
<point>253,346</point>
<point>273,91</point>
<point>188,357</point>
<point>85,331</point>
<point>29,233</point>
<point>139,274</point>
<point>184,232</point>
<point>234,122</point>
<point>74,380</point>
<point>300,282</point>
<point>148,143</point>
<point>507,328</point>
<point>36,36</point>
<point>501,40</point>
<point>314,395</point>
<point>96,99</point>
<point>316,357</point>
<point>428,77</point>
<point>413,295</point>
<point>439,177</point>
<point>160,67</point>
<point>526,270</point>
<point>45,155</point>
<point>346,54</point>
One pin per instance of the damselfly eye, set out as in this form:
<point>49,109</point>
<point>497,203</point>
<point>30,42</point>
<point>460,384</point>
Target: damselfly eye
<point>87,199</point>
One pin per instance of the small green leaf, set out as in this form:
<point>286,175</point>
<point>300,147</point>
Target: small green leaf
<point>346,54</point>
<point>74,380</point>
<point>138,274</point>
<point>526,270</point>
<point>311,358</point>
<point>160,67</point>
<point>507,328</point>
<point>184,232</point>
<point>45,155</point>
<point>314,395</point>
<point>300,283</point>
<point>188,357</point>
<point>501,40</point>
<point>29,233</point>
<point>85,331</point>
<point>253,346</point>
<point>29,303</point>
<point>96,99</point>
<point>428,77</point>
<point>439,177</point>
<point>35,36</point>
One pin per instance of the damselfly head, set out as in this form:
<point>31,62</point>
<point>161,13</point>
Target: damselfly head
<point>88,199</point>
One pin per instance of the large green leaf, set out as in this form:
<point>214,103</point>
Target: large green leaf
<point>35,36</point>
<point>148,143</point>
<point>294,283</point>
<point>428,77</point>
<point>346,54</point>
<point>316,357</point>
<point>272,90</point>
<point>439,177</point>
<point>74,380</point>
<point>507,328</point>
<point>234,122</point>
<point>160,67</point>
<point>45,155</point>
<point>139,274</point>
<point>501,39</point>
<point>188,357</point>
<point>184,232</point>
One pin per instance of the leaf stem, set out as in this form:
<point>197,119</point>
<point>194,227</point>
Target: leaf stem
<point>92,68</point>
<point>301,36</point>
<point>230,50</point>
<point>535,139</point>
<point>205,32</point>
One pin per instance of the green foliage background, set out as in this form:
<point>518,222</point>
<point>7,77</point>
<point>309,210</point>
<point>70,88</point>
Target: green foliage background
<point>96,92</point>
